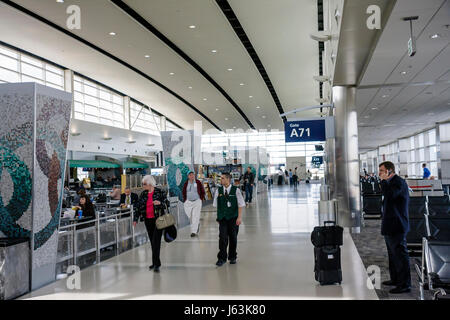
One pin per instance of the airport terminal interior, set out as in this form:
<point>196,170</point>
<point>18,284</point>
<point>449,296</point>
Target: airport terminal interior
<point>225,149</point>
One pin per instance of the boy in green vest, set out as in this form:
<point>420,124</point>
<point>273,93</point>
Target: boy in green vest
<point>229,203</point>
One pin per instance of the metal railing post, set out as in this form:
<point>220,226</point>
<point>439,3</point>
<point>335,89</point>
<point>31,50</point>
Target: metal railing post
<point>75,251</point>
<point>117,235</point>
<point>97,222</point>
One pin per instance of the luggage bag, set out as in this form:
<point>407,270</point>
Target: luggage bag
<point>328,235</point>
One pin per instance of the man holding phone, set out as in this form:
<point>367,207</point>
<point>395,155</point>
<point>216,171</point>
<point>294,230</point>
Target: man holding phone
<point>395,226</point>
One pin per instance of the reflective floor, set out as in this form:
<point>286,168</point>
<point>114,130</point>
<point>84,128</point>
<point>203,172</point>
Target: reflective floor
<point>275,260</point>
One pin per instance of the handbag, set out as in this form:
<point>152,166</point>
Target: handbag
<point>165,221</point>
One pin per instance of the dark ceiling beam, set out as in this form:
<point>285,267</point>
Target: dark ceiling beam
<point>239,30</point>
<point>143,22</point>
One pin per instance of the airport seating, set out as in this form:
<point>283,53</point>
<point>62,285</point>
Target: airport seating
<point>372,205</point>
<point>417,211</point>
<point>434,271</point>
<point>438,220</point>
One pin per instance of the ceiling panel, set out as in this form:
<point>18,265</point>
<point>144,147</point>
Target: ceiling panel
<point>213,32</point>
<point>407,108</point>
<point>131,44</point>
<point>279,31</point>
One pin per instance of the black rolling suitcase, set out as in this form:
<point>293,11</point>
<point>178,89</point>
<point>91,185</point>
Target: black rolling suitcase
<point>327,253</point>
<point>327,265</point>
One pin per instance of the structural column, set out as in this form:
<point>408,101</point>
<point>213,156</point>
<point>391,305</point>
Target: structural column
<point>346,189</point>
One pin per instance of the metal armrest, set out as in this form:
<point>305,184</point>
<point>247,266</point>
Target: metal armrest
<point>419,273</point>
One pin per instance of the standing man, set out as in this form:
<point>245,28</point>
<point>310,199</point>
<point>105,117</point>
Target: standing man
<point>229,203</point>
<point>395,226</point>
<point>249,180</point>
<point>426,172</point>
<point>193,195</point>
<point>290,177</point>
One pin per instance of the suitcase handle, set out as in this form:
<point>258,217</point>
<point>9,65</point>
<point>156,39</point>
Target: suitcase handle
<point>329,222</point>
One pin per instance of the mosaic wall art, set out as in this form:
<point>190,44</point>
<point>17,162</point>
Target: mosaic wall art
<point>33,145</point>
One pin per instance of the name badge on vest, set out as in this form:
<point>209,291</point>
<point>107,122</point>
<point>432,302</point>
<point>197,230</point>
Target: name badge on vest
<point>229,204</point>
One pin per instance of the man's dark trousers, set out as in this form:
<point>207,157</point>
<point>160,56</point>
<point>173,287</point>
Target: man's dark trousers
<point>248,192</point>
<point>228,231</point>
<point>399,267</point>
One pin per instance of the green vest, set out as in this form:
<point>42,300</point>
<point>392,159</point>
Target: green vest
<point>223,211</point>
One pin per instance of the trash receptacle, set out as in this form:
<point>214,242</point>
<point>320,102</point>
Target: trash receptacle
<point>14,267</point>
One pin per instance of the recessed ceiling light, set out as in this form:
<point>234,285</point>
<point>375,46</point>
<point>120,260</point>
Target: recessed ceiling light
<point>250,97</point>
<point>217,109</point>
<point>107,138</point>
<point>226,119</point>
<point>60,1</point>
<point>257,107</point>
<point>229,69</point>
<point>403,73</point>
<point>147,56</point>
<point>189,87</point>
<point>171,73</point>
<point>214,51</point>
<point>269,125</point>
<point>241,84</point>
<point>435,36</point>
<point>131,141</point>
<point>374,108</point>
<point>112,33</point>
<point>204,99</point>
<point>263,117</point>
<point>192,27</point>
<point>234,127</point>
<point>385,96</point>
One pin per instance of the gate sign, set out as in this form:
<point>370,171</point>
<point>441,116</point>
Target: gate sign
<point>307,130</point>
<point>317,161</point>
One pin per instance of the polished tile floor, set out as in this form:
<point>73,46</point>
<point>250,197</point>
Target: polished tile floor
<point>275,260</point>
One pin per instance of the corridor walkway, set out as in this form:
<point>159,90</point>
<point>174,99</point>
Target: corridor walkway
<point>275,260</point>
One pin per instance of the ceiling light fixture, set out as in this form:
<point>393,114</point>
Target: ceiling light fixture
<point>241,84</point>
<point>150,144</point>
<point>403,72</point>
<point>112,33</point>
<point>214,51</point>
<point>435,36</point>
<point>192,27</point>
<point>250,97</point>
<point>60,1</point>
<point>374,108</point>
<point>257,107</point>
<point>226,119</point>
<point>385,96</point>
<point>171,73</point>
<point>229,69</point>
<point>131,141</point>
<point>75,134</point>
<point>263,117</point>
<point>189,87</point>
<point>107,138</point>
<point>217,109</point>
<point>147,56</point>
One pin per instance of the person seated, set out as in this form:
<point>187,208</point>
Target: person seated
<point>86,206</point>
<point>115,194</point>
<point>80,193</point>
<point>128,198</point>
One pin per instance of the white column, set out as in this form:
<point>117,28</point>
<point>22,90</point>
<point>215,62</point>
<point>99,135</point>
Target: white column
<point>126,112</point>
<point>163,123</point>
<point>68,87</point>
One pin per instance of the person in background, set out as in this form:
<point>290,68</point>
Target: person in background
<point>86,206</point>
<point>395,226</point>
<point>115,194</point>
<point>291,181</point>
<point>128,198</point>
<point>426,172</point>
<point>193,195</point>
<point>286,176</point>
<point>151,204</point>
<point>80,193</point>
<point>295,178</point>
<point>229,203</point>
<point>249,181</point>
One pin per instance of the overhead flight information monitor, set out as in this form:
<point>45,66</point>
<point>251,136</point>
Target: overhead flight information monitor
<point>305,130</point>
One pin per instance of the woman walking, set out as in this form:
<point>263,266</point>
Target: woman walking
<point>152,204</point>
